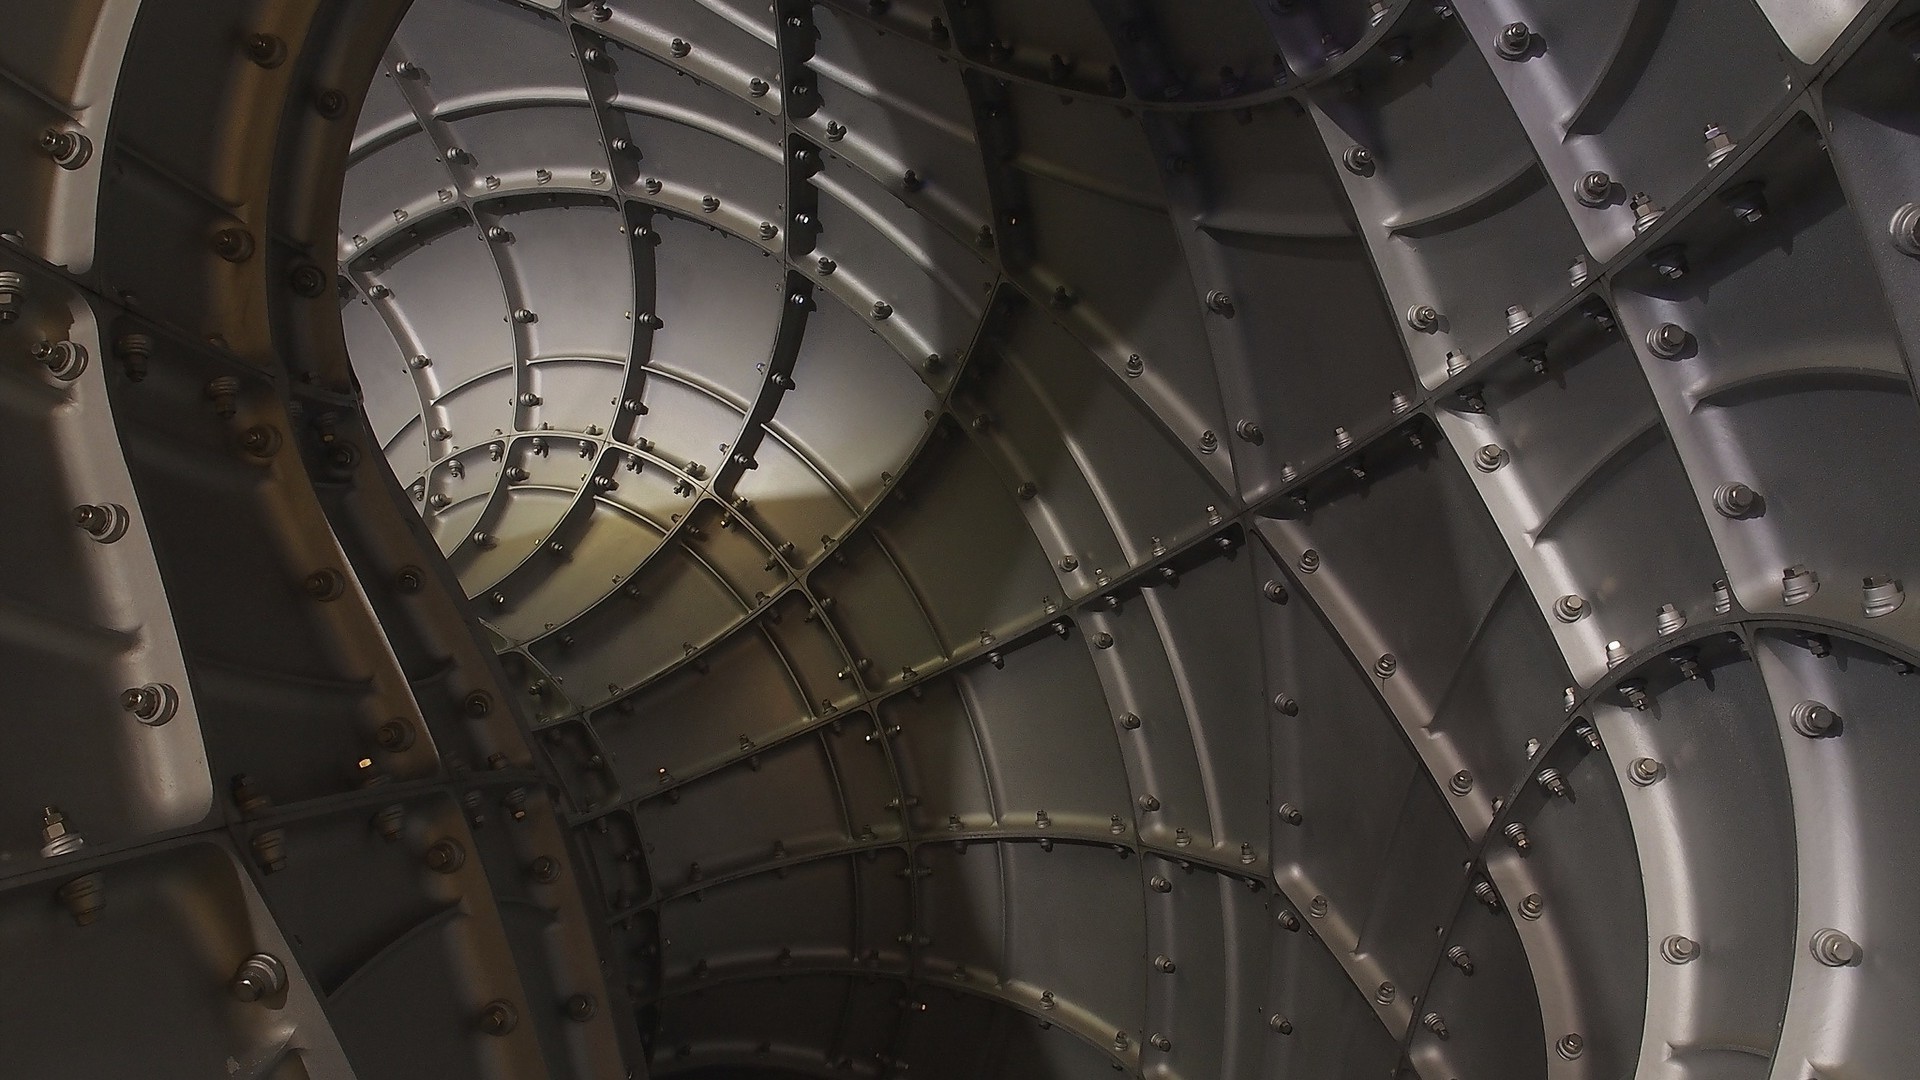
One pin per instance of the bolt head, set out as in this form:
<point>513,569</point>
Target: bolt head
<point>1594,189</point>
<point>259,976</point>
<point>1668,340</point>
<point>1904,229</point>
<point>1514,41</point>
<point>499,1017</point>
<point>1679,949</point>
<point>1835,949</point>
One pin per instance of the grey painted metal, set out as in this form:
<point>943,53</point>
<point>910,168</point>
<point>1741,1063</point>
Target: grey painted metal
<point>960,538</point>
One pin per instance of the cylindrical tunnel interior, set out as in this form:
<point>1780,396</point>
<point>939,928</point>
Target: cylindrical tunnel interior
<point>960,538</point>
